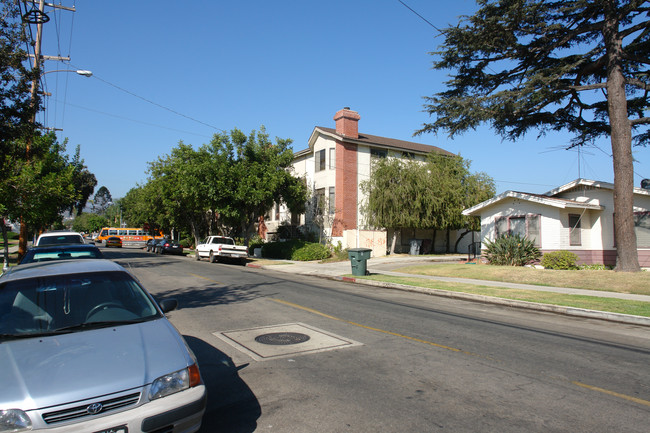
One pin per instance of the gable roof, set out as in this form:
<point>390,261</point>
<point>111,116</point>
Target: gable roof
<point>591,183</point>
<point>550,198</point>
<point>544,200</point>
<point>374,141</point>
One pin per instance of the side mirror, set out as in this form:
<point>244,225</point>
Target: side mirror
<point>167,305</point>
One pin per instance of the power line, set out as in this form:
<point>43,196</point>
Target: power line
<point>155,103</point>
<point>420,16</point>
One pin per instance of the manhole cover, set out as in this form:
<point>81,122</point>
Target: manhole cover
<point>282,338</point>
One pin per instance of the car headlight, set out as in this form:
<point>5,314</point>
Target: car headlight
<point>14,420</point>
<point>175,382</point>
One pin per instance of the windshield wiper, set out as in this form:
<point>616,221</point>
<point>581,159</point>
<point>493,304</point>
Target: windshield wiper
<point>97,325</point>
<point>8,337</point>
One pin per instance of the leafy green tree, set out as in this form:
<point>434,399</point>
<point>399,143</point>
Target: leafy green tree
<point>258,175</point>
<point>579,66</point>
<point>102,200</point>
<point>175,196</point>
<point>84,182</point>
<point>37,190</point>
<point>223,186</point>
<point>409,194</point>
<point>17,106</point>
<point>89,223</point>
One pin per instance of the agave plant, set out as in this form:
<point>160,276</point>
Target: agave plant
<point>511,250</point>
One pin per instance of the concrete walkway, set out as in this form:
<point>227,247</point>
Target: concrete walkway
<point>390,266</point>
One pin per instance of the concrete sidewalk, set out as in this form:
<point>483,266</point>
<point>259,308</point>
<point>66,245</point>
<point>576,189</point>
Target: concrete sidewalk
<point>390,266</point>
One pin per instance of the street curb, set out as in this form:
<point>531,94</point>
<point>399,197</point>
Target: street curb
<point>549,308</point>
<point>558,309</point>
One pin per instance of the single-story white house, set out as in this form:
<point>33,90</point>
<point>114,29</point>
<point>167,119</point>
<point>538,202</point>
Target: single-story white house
<point>577,217</point>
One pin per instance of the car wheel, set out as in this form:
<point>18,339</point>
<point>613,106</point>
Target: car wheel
<point>213,258</point>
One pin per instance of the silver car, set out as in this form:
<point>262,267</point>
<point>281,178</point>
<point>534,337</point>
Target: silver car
<point>84,348</point>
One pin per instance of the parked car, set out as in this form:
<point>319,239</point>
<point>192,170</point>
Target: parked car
<point>61,252</point>
<point>87,348</point>
<point>114,241</point>
<point>149,245</point>
<point>216,248</point>
<point>167,246</point>
<point>59,237</point>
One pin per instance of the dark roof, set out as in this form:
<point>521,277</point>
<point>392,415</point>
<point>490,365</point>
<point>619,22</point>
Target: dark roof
<point>406,146</point>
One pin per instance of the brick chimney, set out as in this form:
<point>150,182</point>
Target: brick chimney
<point>347,122</point>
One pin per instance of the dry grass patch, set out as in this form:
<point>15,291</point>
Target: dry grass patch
<point>621,282</point>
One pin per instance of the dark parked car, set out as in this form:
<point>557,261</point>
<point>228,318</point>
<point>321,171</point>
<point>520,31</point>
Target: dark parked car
<point>61,252</point>
<point>149,244</point>
<point>167,246</point>
<point>85,348</point>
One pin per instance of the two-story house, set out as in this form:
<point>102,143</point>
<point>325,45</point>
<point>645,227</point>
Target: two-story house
<point>333,165</point>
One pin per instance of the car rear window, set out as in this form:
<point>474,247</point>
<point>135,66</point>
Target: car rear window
<point>42,256</point>
<point>60,239</point>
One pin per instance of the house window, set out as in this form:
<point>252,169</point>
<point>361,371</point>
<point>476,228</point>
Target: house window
<point>377,153</point>
<point>319,201</point>
<point>332,158</point>
<point>332,200</point>
<point>642,229</point>
<point>527,226</point>
<point>320,160</point>
<point>518,226</point>
<point>575,238</point>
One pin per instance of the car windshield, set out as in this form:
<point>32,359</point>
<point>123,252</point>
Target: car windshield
<point>67,303</point>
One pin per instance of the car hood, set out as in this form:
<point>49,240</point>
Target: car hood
<point>47,371</point>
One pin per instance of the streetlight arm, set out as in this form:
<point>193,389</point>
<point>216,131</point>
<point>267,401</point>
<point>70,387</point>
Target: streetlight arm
<point>83,72</point>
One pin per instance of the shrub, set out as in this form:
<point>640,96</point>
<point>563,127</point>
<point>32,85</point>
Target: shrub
<point>596,267</point>
<point>295,250</point>
<point>255,242</point>
<point>310,252</point>
<point>511,250</point>
<point>562,260</point>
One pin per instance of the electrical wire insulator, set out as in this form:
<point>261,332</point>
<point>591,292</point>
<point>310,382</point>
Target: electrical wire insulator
<point>35,16</point>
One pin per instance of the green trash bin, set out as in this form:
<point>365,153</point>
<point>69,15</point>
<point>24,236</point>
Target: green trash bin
<point>358,260</point>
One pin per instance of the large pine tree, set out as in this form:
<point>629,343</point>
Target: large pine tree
<point>579,66</point>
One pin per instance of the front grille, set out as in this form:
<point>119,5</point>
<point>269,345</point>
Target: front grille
<point>108,405</point>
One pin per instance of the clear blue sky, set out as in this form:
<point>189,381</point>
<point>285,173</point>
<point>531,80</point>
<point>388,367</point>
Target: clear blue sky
<point>168,71</point>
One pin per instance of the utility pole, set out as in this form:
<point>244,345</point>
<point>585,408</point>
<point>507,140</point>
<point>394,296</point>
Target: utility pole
<point>38,17</point>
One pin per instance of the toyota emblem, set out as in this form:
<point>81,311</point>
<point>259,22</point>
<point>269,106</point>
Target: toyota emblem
<point>94,408</point>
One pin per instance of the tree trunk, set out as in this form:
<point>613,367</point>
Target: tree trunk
<point>5,238</point>
<point>627,258</point>
<point>22,240</point>
<point>393,242</point>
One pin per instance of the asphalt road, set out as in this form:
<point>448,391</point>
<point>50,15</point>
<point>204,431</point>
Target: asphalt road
<point>392,361</point>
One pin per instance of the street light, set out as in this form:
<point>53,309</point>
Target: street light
<point>83,72</point>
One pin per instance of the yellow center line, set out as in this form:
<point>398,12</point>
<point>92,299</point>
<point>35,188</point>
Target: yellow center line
<point>453,349</point>
<point>430,343</point>
<point>615,394</point>
<point>205,278</point>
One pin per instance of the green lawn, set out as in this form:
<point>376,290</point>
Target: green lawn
<point>622,282</point>
<point>637,283</point>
